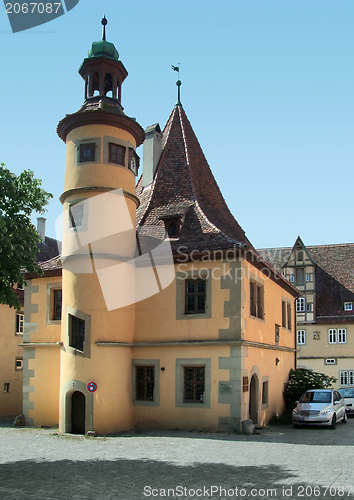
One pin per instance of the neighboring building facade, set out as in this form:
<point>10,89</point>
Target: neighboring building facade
<point>325,312</point>
<point>166,307</point>
<point>11,359</point>
<point>11,338</point>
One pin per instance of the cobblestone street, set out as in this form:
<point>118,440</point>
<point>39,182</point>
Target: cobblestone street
<point>279,462</point>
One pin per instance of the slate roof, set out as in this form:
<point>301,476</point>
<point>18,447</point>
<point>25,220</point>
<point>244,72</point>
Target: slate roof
<point>185,186</point>
<point>47,256</point>
<point>48,249</point>
<point>334,277</point>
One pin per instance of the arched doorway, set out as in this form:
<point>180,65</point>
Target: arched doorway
<point>78,413</point>
<point>253,403</point>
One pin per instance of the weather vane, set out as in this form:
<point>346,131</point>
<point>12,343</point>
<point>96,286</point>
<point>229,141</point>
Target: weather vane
<point>104,24</point>
<point>178,83</point>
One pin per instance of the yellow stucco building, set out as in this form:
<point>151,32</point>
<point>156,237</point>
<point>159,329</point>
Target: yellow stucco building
<point>159,313</point>
<point>11,362</point>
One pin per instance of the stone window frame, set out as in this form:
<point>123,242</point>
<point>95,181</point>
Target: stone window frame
<point>51,288</point>
<point>286,320</point>
<point>78,143</point>
<point>107,140</point>
<point>283,313</point>
<point>181,363</point>
<point>147,362</point>
<point>76,332</point>
<point>259,312</point>
<point>86,353</point>
<point>181,279</point>
<point>84,226</point>
<point>123,149</point>
<point>265,392</point>
<point>289,315</point>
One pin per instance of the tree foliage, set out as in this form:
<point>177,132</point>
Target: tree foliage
<point>301,380</point>
<point>20,196</point>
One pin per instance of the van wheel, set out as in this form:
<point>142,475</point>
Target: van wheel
<point>334,421</point>
<point>345,418</point>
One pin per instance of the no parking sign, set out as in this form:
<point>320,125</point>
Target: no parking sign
<point>91,387</point>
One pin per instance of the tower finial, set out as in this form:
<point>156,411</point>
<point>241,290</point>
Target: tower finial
<point>178,83</point>
<point>104,24</point>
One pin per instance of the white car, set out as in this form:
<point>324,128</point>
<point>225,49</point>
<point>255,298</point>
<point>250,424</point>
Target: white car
<point>320,407</point>
<point>348,396</point>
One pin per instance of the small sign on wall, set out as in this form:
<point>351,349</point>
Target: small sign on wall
<point>225,387</point>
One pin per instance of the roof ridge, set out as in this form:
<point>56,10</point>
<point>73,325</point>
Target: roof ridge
<point>187,155</point>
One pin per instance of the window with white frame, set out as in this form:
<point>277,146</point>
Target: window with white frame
<point>342,335</point>
<point>346,378</point>
<point>332,336</point>
<point>300,305</point>
<point>301,337</point>
<point>292,278</point>
<point>307,277</point>
<point>19,364</point>
<point>330,361</point>
<point>309,307</point>
<point>348,306</point>
<point>337,336</point>
<point>19,324</point>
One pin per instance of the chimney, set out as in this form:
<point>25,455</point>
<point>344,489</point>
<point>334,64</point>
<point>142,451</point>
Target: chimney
<point>41,227</point>
<point>152,152</point>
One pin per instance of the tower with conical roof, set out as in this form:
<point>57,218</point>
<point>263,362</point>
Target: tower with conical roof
<point>99,204</point>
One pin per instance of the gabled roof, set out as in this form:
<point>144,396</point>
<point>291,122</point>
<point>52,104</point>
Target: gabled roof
<point>184,186</point>
<point>334,276</point>
<point>299,244</point>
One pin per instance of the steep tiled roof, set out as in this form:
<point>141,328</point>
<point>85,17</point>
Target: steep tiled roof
<point>185,186</point>
<point>47,249</point>
<point>334,276</point>
<point>51,264</point>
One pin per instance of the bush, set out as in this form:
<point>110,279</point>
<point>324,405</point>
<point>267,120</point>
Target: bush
<point>283,419</point>
<point>300,381</point>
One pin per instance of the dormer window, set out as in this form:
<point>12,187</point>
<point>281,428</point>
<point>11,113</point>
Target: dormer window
<point>172,230</point>
<point>348,306</point>
<point>173,226</point>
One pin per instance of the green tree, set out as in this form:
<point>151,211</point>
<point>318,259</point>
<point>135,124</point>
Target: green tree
<point>301,380</point>
<point>20,196</point>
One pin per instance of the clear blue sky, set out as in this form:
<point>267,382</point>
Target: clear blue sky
<point>268,86</point>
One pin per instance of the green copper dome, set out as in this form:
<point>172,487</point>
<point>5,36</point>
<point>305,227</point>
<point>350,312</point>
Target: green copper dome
<point>103,48</point>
